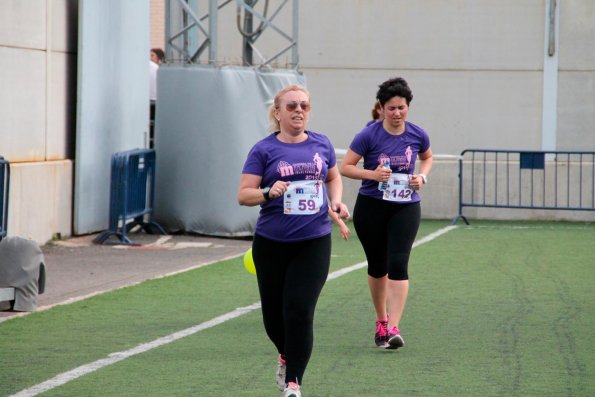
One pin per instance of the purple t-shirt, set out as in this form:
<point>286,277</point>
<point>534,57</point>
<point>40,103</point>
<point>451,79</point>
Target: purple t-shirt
<point>274,160</point>
<point>376,145</point>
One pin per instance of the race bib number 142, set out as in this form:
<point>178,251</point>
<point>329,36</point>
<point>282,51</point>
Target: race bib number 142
<point>398,188</point>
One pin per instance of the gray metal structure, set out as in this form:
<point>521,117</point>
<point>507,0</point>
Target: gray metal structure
<point>188,37</point>
<point>210,113</point>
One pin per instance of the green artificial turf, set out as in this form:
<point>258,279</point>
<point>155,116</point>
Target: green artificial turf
<point>495,309</point>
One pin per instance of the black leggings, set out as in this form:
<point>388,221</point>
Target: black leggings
<point>290,278</point>
<point>387,231</point>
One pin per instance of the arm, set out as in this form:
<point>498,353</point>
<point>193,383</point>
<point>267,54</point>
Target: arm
<point>345,232</point>
<point>350,169</point>
<point>425,166</point>
<point>250,193</point>
<point>334,189</point>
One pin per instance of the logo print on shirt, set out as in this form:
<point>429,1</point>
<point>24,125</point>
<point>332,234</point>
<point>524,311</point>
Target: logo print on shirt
<point>311,170</point>
<point>382,159</point>
<point>408,153</point>
<point>402,162</point>
<point>318,163</point>
<point>284,168</point>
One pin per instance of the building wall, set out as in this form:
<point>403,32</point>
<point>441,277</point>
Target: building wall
<point>38,40</point>
<point>576,87</point>
<point>158,24</point>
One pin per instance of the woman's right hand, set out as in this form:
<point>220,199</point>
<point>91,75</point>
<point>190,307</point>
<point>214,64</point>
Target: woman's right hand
<point>382,174</point>
<point>278,189</point>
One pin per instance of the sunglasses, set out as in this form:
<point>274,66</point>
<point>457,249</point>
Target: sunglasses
<point>293,105</point>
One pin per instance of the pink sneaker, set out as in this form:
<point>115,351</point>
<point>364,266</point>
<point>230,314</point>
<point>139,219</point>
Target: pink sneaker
<point>292,390</point>
<point>394,339</point>
<point>381,333</point>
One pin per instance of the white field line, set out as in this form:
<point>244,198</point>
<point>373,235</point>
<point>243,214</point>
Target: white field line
<point>113,358</point>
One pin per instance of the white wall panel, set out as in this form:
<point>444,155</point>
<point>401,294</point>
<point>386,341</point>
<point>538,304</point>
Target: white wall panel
<point>22,104</point>
<point>23,23</point>
<point>576,111</point>
<point>430,34</point>
<point>40,200</point>
<point>459,109</point>
<point>577,35</point>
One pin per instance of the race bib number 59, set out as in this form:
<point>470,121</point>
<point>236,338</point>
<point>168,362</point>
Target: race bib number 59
<point>303,198</point>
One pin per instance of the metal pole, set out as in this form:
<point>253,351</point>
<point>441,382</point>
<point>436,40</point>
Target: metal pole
<point>168,48</point>
<point>295,27</point>
<point>247,40</point>
<point>213,12</point>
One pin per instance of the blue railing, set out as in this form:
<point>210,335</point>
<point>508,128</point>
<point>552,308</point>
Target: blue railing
<point>132,192</point>
<point>541,180</point>
<point>4,190</point>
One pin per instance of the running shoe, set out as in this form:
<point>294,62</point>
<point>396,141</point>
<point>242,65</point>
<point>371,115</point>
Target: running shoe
<point>395,340</point>
<point>380,334</point>
<point>281,370</point>
<point>292,390</point>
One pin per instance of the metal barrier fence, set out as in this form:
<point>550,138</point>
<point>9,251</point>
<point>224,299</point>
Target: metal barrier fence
<point>4,190</point>
<point>543,180</point>
<point>132,193</point>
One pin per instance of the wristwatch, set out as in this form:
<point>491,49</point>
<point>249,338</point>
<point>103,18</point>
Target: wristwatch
<point>265,193</point>
<point>423,178</point>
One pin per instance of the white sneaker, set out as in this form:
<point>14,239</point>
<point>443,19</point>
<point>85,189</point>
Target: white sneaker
<point>292,390</point>
<point>281,370</point>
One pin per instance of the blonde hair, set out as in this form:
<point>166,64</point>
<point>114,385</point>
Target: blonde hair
<point>273,122</point>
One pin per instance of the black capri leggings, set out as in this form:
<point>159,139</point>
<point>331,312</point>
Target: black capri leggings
<point>387,231</point>
<point>290,279</point>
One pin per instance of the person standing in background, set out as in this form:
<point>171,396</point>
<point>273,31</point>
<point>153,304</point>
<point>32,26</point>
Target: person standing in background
<point>156,57</point>
<point>387,212</point>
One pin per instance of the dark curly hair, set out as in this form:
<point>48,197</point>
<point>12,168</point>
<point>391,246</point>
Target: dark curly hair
<point>396,86</point>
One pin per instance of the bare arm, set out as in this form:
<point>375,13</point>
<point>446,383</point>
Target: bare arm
<point>345,232</point>
<point>425,166</point>
<point>334,188</point>
<point>350,169</point>
<point>250,193</point>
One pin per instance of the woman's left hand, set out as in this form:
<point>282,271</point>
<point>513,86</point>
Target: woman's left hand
<point>416,182</point>
<point>341,209</point>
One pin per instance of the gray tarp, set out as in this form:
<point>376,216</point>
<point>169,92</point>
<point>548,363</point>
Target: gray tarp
<point>207,119</point>
<point>22,267</point>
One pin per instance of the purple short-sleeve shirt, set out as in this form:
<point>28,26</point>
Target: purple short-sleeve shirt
<point>274,160</point>
<point>376,145</point>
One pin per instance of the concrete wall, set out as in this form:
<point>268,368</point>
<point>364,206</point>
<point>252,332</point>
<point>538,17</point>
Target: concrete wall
<point>37,113</point>
<point>576,88</point>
